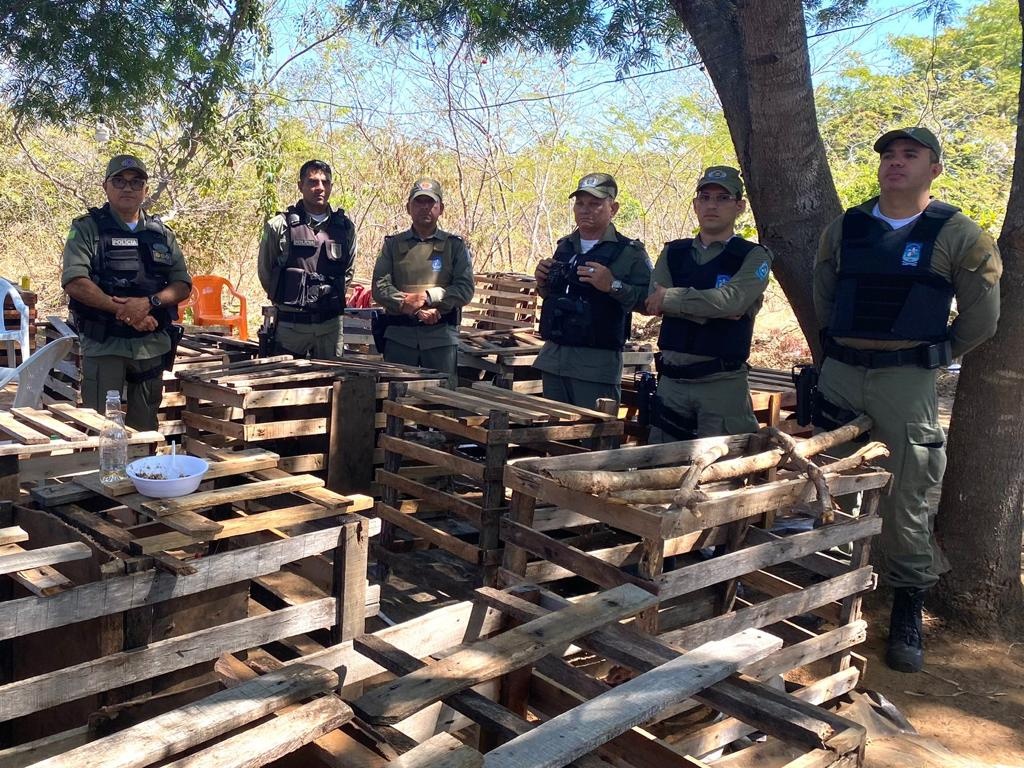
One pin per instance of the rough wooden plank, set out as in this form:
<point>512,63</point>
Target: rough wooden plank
<point>432,456</point>
<point>43,691</point>
<point>185,727</point>
<point>441,751</point>
<point>43,581</point>
<point>487,659</point>
<point>36,558</point>
<point>21,432</point>
<point>734,564</point>
<point>437,537</point>
<point>29,614</point>
<point>272,740</point>
<point>574,733</point>
<point>43,421</point>
<point>257,490</point>
<point>246,461</point>
<point>349,587</point>
<point>12,535</point>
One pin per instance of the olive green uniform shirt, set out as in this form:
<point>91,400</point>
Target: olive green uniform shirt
<point>742,295</point>
<point>80,248</point>
<point>963,254</point>
<point>274,252</point>
<point>604,366</point>
<point>440,265</point>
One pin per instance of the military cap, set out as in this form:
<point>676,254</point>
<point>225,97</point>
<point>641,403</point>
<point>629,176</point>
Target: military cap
<point>724,176</point>
<point>428,187</point>
<point>598,185</point>
<point>921,135</point>
<point>120,163</point>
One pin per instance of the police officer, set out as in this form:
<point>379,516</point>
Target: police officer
<point>709,289</point>
<point>886,274</point>
<point>422,278</point>
<point>124,275</point>
<point>307,256</point>
<point>591,286</point>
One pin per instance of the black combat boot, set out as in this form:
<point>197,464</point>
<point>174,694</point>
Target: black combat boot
<point>905,652</point>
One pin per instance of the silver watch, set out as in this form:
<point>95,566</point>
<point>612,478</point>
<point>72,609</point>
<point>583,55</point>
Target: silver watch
<point>616,286</point>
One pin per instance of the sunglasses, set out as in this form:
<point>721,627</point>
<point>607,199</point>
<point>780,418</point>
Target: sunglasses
<point>120,182</point>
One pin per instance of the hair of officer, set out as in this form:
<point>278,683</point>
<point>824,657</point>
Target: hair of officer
<point>314,165</point>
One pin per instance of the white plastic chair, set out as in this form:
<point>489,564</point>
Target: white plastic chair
<point>7,338</point>
<point>31,374</point>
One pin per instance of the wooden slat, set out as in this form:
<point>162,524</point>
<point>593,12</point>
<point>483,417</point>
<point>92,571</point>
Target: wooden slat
<point>21,432</point>
<point>183,728</point>
<point>491,658</point>
<point>12,535</point>
<point>440,751</point>
<point>256,490</point>
<point>246,461</point>
<point>42,581</point>
<point>41,420</point>
<point>35,558</point>
<point>567,736</point>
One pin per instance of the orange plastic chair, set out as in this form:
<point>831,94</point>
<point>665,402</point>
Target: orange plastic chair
<point>207,308</point>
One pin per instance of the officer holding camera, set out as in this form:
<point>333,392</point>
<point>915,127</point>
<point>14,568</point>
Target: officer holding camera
<point>591,286</point>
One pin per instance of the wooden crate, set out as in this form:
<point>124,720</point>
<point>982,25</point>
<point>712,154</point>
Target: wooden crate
<point>168,585</point>
<point>506,358</point>
<point>445,452</point>
<point>56,440</point>
<point>503,301</point>
<point>611,517</point>
<point>319,415</point>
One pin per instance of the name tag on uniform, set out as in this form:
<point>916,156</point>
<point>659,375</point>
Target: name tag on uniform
<point>124,242</point>
<point>304,243</point>
<point>435,263</point>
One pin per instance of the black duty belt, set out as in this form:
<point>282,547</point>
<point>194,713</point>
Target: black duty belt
<point>924,356</point>
<point>696,370</point>
<point>306,318</point>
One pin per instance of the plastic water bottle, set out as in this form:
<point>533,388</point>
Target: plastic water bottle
<point>113,441</point>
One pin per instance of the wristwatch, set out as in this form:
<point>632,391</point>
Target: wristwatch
<point>154,301</point>
<point>616,286</point>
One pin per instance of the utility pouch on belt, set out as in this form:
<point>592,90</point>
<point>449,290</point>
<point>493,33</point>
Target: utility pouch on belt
<point>267,334</point>
<point>646,385</point>
<point>805,379</point>
<point>176,332</point>
<point>379,323</point>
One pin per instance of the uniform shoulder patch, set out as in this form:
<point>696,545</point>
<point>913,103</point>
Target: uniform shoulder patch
<point>763,270</point>
<point>453,236</point>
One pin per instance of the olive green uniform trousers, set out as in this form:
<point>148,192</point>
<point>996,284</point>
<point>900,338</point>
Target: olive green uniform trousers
<point>102,373</point>
<point>442,359</point>
<point>322,341</point>
<point>719,404</point>
<point>903,406</point>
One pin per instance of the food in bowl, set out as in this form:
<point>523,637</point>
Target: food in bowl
<point>166,477</point>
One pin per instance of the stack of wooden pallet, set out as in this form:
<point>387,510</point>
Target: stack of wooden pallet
<point>465,687</point>
<point>506,358</point>
<point>318,415</point>
<point>617,517</point>
<point>168,585</point>
<point>504,301</point>
<point>445,452</point>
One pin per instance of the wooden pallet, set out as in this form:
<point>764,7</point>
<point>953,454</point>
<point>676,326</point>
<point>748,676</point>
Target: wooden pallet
<point>503,301</point>
<point>461,673</point>
<point>444,454</point>
<point>609,518</point>
<point>319,415</point>
<point>506,358</point>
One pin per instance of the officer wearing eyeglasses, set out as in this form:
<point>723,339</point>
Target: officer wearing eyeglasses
<point>707,289</point>
<point>124,275</point>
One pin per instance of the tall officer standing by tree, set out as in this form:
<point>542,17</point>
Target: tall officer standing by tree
<point>423,277</point>
<point>886,274</point>
<point>709,289</point>
<point>591,286</point>
<point>306,258</point>
<point>124,275</point>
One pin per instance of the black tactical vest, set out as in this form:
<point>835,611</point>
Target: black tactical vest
<point>313,275</point>
<point>886,288</point>
<point>126,264</point>
<point>576,314</point>
<point>728,340</point>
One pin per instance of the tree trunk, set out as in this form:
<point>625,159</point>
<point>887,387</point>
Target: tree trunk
<point>756,54</point>
<point>983,494</point>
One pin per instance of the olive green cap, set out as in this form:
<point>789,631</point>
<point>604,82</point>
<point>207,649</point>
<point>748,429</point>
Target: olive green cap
<point>921,135</point>
<point>120,163</point>
<point>429,187</point>
<point>598,185</point>
<point>727,177</point>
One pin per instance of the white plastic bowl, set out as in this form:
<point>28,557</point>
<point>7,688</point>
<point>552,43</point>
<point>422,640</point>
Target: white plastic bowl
<point>182,480</point>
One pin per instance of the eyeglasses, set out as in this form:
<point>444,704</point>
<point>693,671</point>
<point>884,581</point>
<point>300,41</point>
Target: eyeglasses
<point>134,185</point>
<point>703,197</point>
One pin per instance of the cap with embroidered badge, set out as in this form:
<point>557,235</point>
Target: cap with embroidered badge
<point>597,184</point>
<point>429,187</point>
<point>119,163</point>
<point>917,133</point>
<point>725,176</point>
